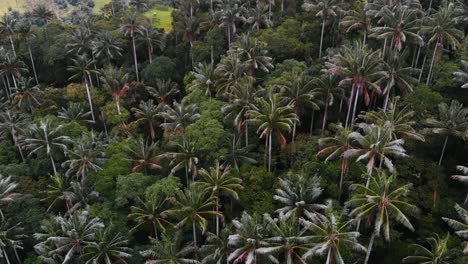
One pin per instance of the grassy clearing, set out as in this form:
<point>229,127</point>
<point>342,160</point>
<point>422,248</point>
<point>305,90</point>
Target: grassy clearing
<point>99,4</point>
<point>162,17</point>
<point>15,4</point>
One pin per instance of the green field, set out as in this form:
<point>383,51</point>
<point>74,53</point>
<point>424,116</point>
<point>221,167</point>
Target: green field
<point>162,17</point>
<point>15,4</point>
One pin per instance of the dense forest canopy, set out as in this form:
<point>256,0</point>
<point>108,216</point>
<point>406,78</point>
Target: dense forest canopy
<point>234,131</point>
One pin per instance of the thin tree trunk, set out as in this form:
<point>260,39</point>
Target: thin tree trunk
<point>269,152</point>
<point>135,59</point>
<point>229,36</point>
<point>15,141</point>
<point>150,54</point>
<point>117,103</point>
<point>6,256</point>
<point>356,97</point>
<point>329,256</point>
<point>186,174</point>
<point>53,164</point>
<point>417,58</point>
<point>294,131</point>
<point>265,158</point>
<point>369,248</point>
<point>7,89</point>
<point>12,46</point>
<point>32,63</point>
<point>17,256</point>
<point>325,115</point>
<point>217,216</point>
<point>350,102</point>
<point>155,231</point>
<point>428,80</point>
<point>194,234</point>
<point>312,121</point>
<point>321,37</point>
<point>443,150</point>
<point>342,174</point>
<point>246,134</point>
<point>386,101</point>
<point>364,38</point>
<point>90,101</point>
<point>422,68</point>
<point>14,82</point>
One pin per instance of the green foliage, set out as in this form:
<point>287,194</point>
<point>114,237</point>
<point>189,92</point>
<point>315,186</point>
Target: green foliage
<point>161,68</point>
<point>109,214</point>
<point>167,186</point>
<point>211,109</point>
<point>129,187</point>
<point>423,100</point>
<point>285,73</point>
<point>111,115</point>
<point>118,164</point>
<point>8,153</point>
<point>76,92</point>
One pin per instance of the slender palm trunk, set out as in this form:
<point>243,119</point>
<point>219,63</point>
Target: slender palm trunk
<point>343,168</point>
<point>422,68</point>
<point>369,248</point>
<point>7,89</point>
<point>53,164</point>
<point>229,35</point>
<point>294,131</point>
<point>321,38</point>
<point>135,59</point>
<point>325,116</point>
<point>246,134</point>
<point>329,256</point>
<point>15,141</point>
<point>194,234</point>
<point>155,229</point>
<point>269,151</point>
<point>429,75</point>
<point>150,54</point>
<point>90,101</point>
<point>186,174</point>
<point>17,256</point>
<point>364,38</point>
<point>14,82</point>
<point>265,157</point>
<point>386,101</point>
<point>6,256</point>
<point>350,100</point>
<point>12,46</point>
<point>33,64</point>
<point>417,58</point>
<point>217,216</point>
<point>312,121</point>
<point>117,103</point>
<point>443,150</point>
<point>356,97</point>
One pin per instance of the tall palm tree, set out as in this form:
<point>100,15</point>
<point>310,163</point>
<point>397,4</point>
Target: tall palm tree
<point>132,27</point>
<point>205,77</point>
<point>335,147</point>
<point>287,237</point>
<point>164,92</point>
<point>150,211</point>
<point>441,27</point>
<point>180,116</point>
<point>27,92</point>
<point>258,16</point>
<point>106,47</point>
<point>55,191</point>
<point>43,13</point>
<point>107,249</point>
<point>461,228</point>
<point>80,195</point>
<point>7,186</point>
<point>216,248</point>
<point>462,74</point>
<point>272,118</point>
<point>327,10</point>
<point>170,250</point>
<point>437,253</point>
<point>219,181</point>
<point>144,156</point>
<point>12,236</point>
<point>12,124</point>
<point>249,237</point>
<point>80,42</point>
<point>82,69</point>
<point>115,80</point>
<point>237,155</point>
<point>13,66</point>
<point>147,112</point>
<point>231,71</point>
<point>357,19</point>
<point>452,121</point>
<point>7,28</point>
<point>74,113</point>
<point>379,203</point>
<point>25,34</point>
<point>254,53</point>
<point>87,155</point>
<point>192,206</point>
<point>462,178</point>
<point>376,144</point>
<point>331,236</point>
<point>327,88</point>
<point>45,138</point>
<point>360,67</point>
<point>229,14</point>
<point>139,5</point>
<point>75,232</point>
<point>299,194</point>
<point>151,38</point>
<point>185,156</point>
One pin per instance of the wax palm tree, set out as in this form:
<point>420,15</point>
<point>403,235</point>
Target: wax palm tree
<point>164,92</point>
<point>231,71</point>
<point>462,178</point>
<point>242,99</point>
<point>461,228</point>
<point>216,248</point>
<point>144,156</point>
<point>327,88</point>
<point>12,236</point>
<point>335,147</point>
<point>437,253</point>
<point>258,16</point>
<point>286,237</point>
<point>192,206</point>
<point>75,232</point>
<point>452,121</point>
<point>7,186</point>
<point>106,47</point>
<point>115,81</point>
<point>379,203</point>
<point>401,25</point>
<point>331,236</point>
<point>375,144</point>
<point>87,155</point>
<point>219,181</point>
<point>27,92</point>
<point>43,13</point>
<point>147,112</point>
<point>249,237</point>
<point>237,155</point>
<point>82,69</point>
<point>254,52</point>
<point>462,74</point>
<point>74,113</point>
<point>360,67</point>
<point>151,38</point>
<point>357,19</point>
<point>190,26</point>
<point>12,124</point>
<point>44,138</point>
<point>80,195</point>
<point>205,78</point>
<point>272,118</point>
<point>107,249</point>
<point>55,191</point>
<point>180,116</point>
<point>80,42</point>
<point>229,14</point>
<point>327,10</point>
<point>299,194</point>
<point>399,120</point>
<point>13,66</point>
<point>46,249</point>
<point>25,34</point>
<point>170,250</point>
<point>132,27</point>
<point>185,156</point>
<point>397,76</point>
<point>441,29</point>
<point>150,212</point>
<point>139,5</point>
<point>7,28</point>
